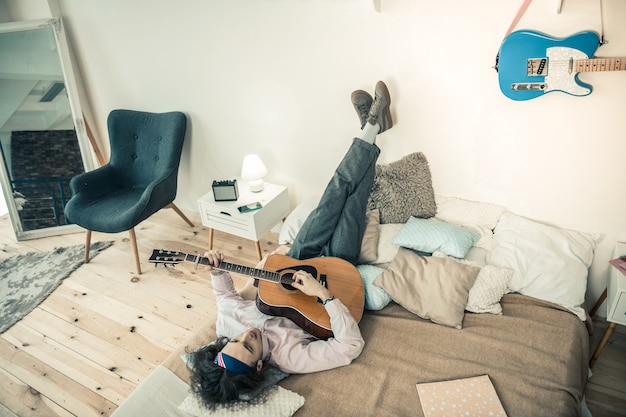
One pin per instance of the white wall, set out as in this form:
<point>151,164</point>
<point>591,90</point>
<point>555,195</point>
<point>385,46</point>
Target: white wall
<point>274,77</point>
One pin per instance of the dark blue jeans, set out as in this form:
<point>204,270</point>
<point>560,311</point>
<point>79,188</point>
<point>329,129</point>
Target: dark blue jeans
<point>336,226</point>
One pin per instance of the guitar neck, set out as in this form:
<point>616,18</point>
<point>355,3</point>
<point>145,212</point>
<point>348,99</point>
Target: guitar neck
<point>599,64</point>
<point>239,269</point>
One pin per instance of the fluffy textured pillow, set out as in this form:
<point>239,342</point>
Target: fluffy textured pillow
<point>402,189</point>
<point>369,244</point>
<point>375,297</point>
<point>280,403</point>
<point>475,215</point>
<point>430,235</point>
<point>433,288</point>
<point>548,263</point>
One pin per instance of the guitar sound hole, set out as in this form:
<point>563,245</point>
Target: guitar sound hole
<point>287,277</point>
<point>286,280</point>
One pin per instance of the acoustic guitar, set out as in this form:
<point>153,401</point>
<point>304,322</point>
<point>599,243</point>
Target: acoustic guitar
<point>277,297</point>
<point>531,64</point>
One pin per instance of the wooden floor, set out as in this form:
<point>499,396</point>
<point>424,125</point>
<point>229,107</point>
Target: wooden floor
<point>606,390</point>
<point>90,343</point>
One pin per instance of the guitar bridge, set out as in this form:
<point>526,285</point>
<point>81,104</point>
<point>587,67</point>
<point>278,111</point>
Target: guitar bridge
<point>536,67</point>
<point>529,86</point>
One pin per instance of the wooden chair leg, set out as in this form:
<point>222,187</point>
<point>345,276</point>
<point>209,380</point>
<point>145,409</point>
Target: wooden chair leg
<point>180,213</point>
<point>87,246</point>
<point>602,344</point>
<point>598,303</point>
<point>133,241</point>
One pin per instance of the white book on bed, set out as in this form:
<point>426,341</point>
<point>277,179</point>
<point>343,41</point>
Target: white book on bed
<point>474,396</point>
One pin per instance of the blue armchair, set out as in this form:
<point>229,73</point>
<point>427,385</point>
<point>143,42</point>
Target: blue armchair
<point>139,180</point>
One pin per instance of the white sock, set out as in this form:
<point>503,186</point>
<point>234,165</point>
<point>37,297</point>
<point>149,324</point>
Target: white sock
<point>369,132</point>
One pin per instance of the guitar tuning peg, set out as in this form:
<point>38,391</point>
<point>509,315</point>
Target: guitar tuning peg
<point>164,265</point>
<point>173,265</point>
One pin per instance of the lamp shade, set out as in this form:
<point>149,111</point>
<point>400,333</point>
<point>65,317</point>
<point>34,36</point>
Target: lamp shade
<point>253,170</point>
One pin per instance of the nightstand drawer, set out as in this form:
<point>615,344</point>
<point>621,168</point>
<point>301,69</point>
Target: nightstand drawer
<point>229,221</point>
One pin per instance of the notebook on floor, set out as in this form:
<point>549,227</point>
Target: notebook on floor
<point>473,396</point>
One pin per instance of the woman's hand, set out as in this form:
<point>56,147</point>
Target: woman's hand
<point>306,283</point>
<point>214,258</point>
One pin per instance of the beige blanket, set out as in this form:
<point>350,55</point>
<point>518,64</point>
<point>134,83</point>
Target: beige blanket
<point>536,355</point>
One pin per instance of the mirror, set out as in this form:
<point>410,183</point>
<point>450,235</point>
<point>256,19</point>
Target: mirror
<point>43,138</point>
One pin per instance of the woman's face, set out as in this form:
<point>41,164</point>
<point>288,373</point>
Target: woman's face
<point>247,347</point>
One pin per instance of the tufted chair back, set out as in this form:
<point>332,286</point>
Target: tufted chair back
<point>145,146</point>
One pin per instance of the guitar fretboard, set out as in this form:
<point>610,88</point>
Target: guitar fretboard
<point>600,64</point>
<point>240,269</point>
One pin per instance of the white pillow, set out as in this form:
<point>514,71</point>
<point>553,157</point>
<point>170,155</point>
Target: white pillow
<point>548,263</point>
<point>280,403</point>
<point>475,215</point>
<point>295,219</point>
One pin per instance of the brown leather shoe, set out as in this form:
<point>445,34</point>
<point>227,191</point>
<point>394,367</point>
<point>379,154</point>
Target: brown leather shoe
<point>379,112</point>
<point>362,102</point>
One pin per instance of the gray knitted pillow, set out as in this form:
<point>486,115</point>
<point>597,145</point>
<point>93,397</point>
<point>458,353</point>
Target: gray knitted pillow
<point>403,189</point>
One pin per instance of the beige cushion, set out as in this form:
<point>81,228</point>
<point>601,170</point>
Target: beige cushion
<point>433,288</point>
<point>369,245</point>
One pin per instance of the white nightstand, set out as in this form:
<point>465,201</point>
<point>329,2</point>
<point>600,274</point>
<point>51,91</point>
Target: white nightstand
<point>615,295</point>
<point>224,216</point>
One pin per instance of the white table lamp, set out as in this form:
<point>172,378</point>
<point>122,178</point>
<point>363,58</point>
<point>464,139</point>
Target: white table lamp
<point>253,170</point>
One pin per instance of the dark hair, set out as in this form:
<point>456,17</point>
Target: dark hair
<point>215,385</point>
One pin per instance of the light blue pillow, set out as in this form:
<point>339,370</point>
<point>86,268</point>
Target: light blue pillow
<point>430,235</point>
<point>375,297</point>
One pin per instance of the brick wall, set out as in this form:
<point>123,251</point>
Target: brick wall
<point>42,163</point>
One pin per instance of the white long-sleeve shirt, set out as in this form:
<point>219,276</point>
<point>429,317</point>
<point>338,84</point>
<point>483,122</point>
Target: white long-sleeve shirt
<point>285,345</point>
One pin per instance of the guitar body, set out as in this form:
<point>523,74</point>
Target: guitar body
<point>531,64</point>
<point>340,277</point>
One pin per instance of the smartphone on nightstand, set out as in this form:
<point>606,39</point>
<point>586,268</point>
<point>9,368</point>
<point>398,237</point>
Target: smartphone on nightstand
<point>249,207</point>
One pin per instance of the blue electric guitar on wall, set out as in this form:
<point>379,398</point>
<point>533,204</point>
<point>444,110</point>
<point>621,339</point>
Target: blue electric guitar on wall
<point>531,64</point>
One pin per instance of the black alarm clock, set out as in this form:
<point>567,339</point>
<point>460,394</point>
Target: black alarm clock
<point>225,190</point>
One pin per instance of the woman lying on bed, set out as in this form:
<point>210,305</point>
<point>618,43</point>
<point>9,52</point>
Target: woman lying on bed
<point>236,362</point>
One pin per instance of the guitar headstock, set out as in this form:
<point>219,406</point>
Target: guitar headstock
<point>167,257</point>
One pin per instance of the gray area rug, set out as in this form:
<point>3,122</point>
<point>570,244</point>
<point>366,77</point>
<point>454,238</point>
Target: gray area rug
<point>26,280</point>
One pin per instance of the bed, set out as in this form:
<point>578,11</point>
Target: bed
<point>535,354</point>
<point>509,305</point>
